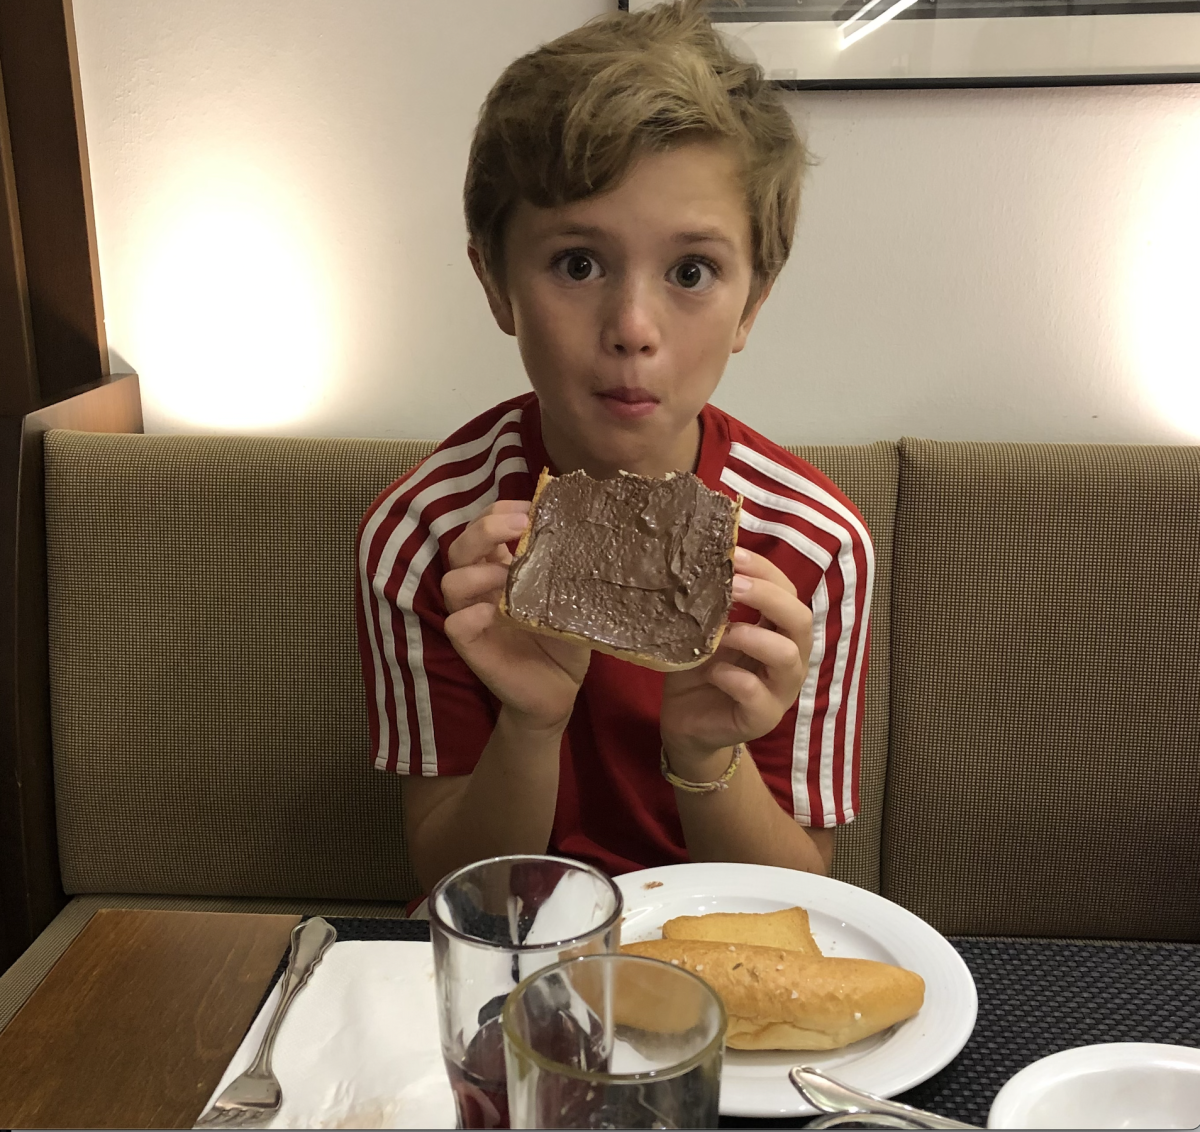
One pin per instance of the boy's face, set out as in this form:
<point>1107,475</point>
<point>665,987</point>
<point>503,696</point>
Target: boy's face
<point>626,307</point>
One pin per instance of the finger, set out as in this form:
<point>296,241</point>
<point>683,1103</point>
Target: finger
<point>756,566</point>
<point>509,507</point>
<point>772,650</point>
<point>468,585</point>
<point>745,689</point>
<point>465,626</point>
<point>504,553</point>
<point>786,612</point>
<point>774,659</point>
<point>484,539</point>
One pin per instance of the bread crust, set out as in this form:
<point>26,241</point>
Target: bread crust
<point>779,999</point>
<point>641,659</point>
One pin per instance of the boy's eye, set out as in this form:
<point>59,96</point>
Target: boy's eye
<point>577,266</point>
<point>693,274</point>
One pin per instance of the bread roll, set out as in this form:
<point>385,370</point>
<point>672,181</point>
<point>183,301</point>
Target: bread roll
<point>787,928</point>
<point>778,999</point>
<point>638,996</point>
<point>635,567</point>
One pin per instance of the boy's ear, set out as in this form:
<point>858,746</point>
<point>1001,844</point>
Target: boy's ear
<point>497,300</point>
<point>748,317</point>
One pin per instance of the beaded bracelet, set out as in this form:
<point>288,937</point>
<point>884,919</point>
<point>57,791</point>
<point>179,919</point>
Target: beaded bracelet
<point>721,783</point>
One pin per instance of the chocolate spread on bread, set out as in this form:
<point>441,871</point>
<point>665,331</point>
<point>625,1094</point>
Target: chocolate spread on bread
<point>640,565</point>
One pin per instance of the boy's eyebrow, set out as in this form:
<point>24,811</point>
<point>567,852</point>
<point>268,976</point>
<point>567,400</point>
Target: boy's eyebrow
<point>704,236</point>
<point>587,231</point>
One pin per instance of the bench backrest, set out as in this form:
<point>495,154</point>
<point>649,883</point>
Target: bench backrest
<point>1044,774</point>
<point>1031,760</point>
<point>207,706</point>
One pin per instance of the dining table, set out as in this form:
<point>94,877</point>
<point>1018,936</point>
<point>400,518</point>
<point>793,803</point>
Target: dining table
<point>135,1024</point>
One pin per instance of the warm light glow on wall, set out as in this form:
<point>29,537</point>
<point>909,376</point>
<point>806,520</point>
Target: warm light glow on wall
<point>234,320</point>
<point>1164,285</point>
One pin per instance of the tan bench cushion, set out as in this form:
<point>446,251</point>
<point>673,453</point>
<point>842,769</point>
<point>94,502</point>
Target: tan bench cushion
<point>1045,764</point>
<point>207,709</point>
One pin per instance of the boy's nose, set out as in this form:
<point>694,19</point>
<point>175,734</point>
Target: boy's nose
<point>630,326</point>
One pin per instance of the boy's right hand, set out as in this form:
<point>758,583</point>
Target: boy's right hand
<point>534,676</point>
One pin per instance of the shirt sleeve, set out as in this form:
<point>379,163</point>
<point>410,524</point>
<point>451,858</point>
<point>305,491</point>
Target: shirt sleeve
<point>810,761</point>
<point>428,712</point>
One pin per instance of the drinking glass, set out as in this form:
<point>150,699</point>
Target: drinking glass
<point>614,1041</point>
<point>494,923</point>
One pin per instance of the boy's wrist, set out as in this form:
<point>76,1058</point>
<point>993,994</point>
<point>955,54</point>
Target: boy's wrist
<point>697,762</point>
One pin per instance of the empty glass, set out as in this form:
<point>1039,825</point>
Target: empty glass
<point>492,924</point>
<point>614,1041</point>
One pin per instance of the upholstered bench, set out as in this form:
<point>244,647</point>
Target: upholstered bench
<point>1030,752</point>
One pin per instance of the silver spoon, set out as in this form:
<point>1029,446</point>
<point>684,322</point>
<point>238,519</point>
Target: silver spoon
<point>862,1119</point>
<point>828,1095</point>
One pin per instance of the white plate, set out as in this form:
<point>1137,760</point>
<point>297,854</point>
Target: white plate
<point>845,921</point>
<point>1117,1085</point>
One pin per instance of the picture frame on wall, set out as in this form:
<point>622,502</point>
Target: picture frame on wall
<point>855,44</point>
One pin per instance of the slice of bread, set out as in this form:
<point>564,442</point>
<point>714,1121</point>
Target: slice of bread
<point>639,568</point>
<point>787,929</point>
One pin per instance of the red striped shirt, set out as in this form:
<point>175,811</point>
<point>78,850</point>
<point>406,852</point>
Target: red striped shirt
<point>430,715</point>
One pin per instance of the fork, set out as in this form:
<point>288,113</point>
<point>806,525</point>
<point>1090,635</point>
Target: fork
<point>251,1099</point>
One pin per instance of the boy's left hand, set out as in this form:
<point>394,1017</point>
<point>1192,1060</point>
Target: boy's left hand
<point>742,692</point>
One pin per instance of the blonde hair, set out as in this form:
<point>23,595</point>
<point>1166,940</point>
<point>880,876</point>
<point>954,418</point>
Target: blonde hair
<point>568,120</point>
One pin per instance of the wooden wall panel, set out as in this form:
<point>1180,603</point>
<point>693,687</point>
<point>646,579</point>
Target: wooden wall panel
<point>18,381</point>
<point>49,171</point>
<point>53,374</point>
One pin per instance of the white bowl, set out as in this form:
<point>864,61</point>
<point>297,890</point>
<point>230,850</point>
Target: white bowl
<point>1121,1085</point>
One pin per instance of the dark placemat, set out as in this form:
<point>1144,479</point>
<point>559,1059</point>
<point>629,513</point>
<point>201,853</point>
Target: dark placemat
<point>1036,997</point>
<point>361,928</point>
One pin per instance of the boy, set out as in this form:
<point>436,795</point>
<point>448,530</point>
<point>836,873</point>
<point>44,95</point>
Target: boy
<point>630,198</point>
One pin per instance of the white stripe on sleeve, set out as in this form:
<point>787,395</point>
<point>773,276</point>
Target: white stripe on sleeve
<point>412,623</point>
<point>383,570</point>
<point>806,705</point>
<point>848,610</point>
<point>798,483</point>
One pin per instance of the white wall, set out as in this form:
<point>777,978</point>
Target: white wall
<point>277,201</point>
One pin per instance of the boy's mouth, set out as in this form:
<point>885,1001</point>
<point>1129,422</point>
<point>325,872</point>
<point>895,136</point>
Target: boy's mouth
<point>628,402</point>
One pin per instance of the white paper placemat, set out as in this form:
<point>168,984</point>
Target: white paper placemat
<point>359,1047</point>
